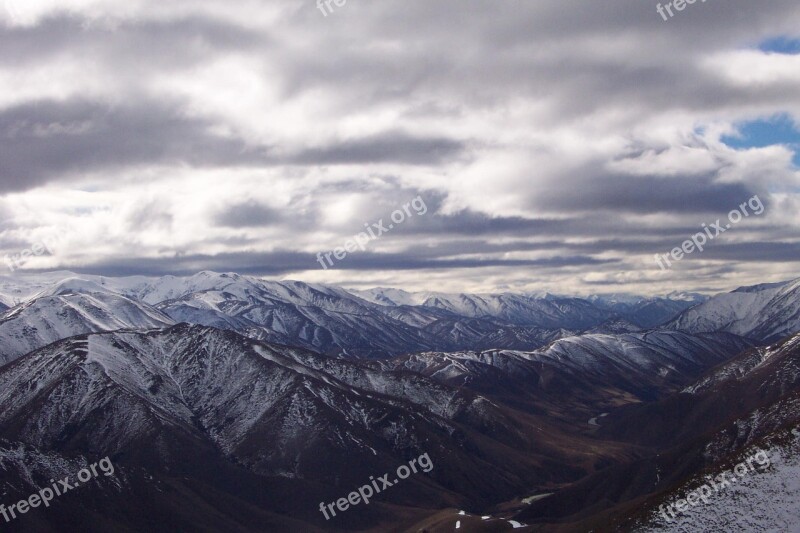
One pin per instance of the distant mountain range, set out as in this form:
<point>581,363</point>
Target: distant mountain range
<point>229,403</point>
<point>331,320</point>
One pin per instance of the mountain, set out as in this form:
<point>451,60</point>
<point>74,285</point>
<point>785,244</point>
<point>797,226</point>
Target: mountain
<point>765,312</point>
<point>377,323</point>
<point>227,402</point>
<point>579,378</point>
<point>516,309</point>
<point>547,310</point>
<point>20,288</point>
<point>750,402</point>
<point>614,326</point>
<point>69,308</point>
<point>392,297</point>
<point>647,312</point>
<point>762,499</point>
<point>327,319</point>
<point>762,388</point>
<point>269,427</point>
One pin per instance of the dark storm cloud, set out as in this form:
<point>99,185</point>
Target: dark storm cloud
<point>598,225</point>
<point>638,194</point>
<point>469,222</point>
<point>283,262</point>
<point>758,251</point>
<point>545,49</point>
<point>249,214</point>
<point>389,147</point>
<point>48,140</point>
<point>127,44</point>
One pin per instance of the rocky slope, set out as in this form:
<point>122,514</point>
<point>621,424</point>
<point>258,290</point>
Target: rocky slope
<point>763,312</point>
<point>69,308</point>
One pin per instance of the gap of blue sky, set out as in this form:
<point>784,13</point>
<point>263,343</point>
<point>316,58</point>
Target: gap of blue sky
<point>781,45</point>
<point>780,129</point>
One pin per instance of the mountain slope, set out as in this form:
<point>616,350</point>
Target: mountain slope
<point>378,323</point>
<point>572,313</point>
<point>70,308</point>
<point>764,312</point>
<point>580,377</point>
<point>183,398</point>
<point>750,401</point>
<point>646,312</point>
<point>766,499</point>
<point>326,319</point>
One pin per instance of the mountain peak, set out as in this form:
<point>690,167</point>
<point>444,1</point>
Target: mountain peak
<point>72,286</point>
<point>765,286</point>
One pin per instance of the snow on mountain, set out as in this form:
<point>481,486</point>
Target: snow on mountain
<point>518,309</point>
<point>614,326</point>
<point>328,319</point>
<point>20,288</point>
<point>764,312</point>
<point>616,299</point>
<point>183,375</point>
<point>543,310</point>
<point>761,359</point>
<point>749,402</point>
<point>646,312</point>
<point>373,323</point>
<point>658,352</point>
<point>392,297</point>
<point>181,398</point>
<point>157,290</point>
<point>325,319</point>
<point>762,499</point>
<point>691,297</point>
<point>735,403</point>
<point>571,313</point>
<point>71,307</point>
<point>580,375</point>
<point>502,418</point>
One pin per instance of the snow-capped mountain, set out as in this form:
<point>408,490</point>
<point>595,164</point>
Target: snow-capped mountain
<point>322,318</point>
<point>269,397</point>
<point>614,326</point>
<point>647,312</point>
<point>69,308</point>
<point>544,310</point>
<point>20,288</point>
<point>570,313</point>
<point>762,388</point>
<point>765,312</point>
<point>185,398</point>
<point>583,375</point>
<point>392,297</point>
<point>367,324</point>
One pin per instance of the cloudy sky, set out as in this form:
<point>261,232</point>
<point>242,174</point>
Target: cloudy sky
<point>556,145</point>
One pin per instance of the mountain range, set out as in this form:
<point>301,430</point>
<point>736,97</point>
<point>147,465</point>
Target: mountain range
<point>227,402</point>
<point>330,320</point>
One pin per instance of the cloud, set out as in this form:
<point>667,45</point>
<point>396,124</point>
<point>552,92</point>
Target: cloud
<point>48,140</point>
<point>387,147</point>
<point>283,262</point>
<point>556,146</point>
<point>248,214</point>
